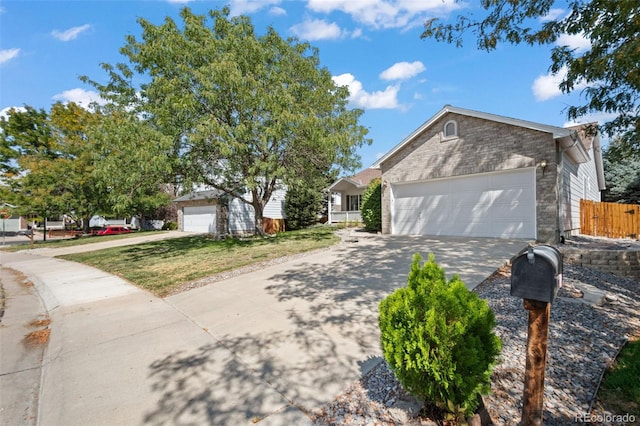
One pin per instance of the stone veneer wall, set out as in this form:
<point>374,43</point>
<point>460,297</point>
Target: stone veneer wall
<point>481,146</point>
<point>624,263</point>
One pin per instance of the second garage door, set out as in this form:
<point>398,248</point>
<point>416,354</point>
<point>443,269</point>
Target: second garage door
<point>501,204</point>
<point>199,219</point>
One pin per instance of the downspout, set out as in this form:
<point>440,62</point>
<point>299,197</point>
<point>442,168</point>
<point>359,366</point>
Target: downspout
<point>560,185</point>
<point>560,192</point>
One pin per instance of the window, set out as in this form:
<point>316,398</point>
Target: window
<point>450,129</point>
<point>353,202</point>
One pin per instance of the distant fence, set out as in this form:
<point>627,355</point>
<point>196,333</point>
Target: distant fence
<point>611,220</point>
<point>272,226</point>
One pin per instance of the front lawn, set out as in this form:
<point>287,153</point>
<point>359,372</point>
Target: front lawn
<point>163,266</point>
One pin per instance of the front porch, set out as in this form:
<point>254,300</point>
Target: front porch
<point>345,197</point>
<point>345,216</point>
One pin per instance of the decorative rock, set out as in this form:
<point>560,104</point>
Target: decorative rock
<point>583,341</point>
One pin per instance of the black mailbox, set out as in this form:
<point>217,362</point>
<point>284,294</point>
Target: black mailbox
<point>536,273</point>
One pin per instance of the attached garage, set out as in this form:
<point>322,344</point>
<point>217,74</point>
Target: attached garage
<point>500,204</point>
<point>475,174</point>
<point>200,219</point>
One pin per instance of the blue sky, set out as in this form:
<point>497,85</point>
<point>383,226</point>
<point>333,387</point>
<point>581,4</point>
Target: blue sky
<point>373,46</point>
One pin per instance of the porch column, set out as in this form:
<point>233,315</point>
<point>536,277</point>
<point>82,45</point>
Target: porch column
<point>329,208</point>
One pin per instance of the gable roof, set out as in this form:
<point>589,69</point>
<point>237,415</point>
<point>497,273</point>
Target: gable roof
<point>359,180</point>
<point>568,136</point>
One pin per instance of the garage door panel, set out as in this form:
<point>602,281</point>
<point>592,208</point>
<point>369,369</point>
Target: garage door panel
<point>199,219</point>
<point>485,205</point>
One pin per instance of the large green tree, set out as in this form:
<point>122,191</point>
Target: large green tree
<point>132,164</point>
<point>622,172</point>
<point>609,69</point>
<point>47,162</point>
<point>246,112</point>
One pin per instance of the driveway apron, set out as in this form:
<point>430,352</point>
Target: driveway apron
<point>271,346</point>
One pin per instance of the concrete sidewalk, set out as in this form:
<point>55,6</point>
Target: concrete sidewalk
<point>267,347</point>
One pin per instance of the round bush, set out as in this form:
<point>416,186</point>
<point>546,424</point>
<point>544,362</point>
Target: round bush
<point>438,339</point>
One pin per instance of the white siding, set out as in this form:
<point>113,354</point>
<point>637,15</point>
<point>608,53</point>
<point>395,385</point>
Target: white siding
<point>10,225</point>
<point>241,215</point>
<point>275,207</point>
<point>579,181</point>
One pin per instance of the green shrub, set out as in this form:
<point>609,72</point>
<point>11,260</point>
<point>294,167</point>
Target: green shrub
<point>438,339</point>
<point>302,205</point>
<point>371,209</point>
<point>170,226</point>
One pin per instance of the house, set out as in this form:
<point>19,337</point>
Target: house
<point>11,223</point>
<point>471,173</point>
<point>346,196</point>
<point>215,212</point>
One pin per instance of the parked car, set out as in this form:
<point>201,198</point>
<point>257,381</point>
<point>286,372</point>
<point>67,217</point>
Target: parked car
<point>114,230</point>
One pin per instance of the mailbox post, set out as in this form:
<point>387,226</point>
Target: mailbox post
<point>536,276</point>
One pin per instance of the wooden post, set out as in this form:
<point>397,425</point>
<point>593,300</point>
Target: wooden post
<point>538,336</point>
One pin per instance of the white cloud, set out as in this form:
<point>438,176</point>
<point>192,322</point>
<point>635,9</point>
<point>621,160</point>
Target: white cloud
<point>547,86</point>
<point>277,11</point>
<point>317,29</point>
<point>357,33</point>
<point>599,117</point>
<point>79,96</point>
<point>8,54</point>
<point>385,99</point>
<point>402,70</point>
<point>574,41</point>
<point>386,13</point>
<point>71,33</point>
<point>243,7</point>
<point>5,112</point>
<point>552,15</point>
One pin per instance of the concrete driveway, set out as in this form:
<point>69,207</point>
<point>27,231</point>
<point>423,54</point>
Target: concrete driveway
<point>271,346</point>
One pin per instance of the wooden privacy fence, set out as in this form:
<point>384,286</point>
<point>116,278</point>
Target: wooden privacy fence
<point>611,220</point>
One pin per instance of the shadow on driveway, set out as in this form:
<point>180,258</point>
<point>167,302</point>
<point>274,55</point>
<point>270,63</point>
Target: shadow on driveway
<point>301,331</point>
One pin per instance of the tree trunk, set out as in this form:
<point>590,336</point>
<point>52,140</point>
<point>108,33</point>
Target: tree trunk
<point>258,208</point>
<point>86,228</point>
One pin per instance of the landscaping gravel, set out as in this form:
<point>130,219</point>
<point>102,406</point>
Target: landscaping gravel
<point>584,339</point>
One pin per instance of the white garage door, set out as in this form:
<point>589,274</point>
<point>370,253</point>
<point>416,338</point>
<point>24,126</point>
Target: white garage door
<point>501,204</point>
<point>199,219</point>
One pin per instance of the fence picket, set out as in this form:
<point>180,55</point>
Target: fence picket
<point>611,220</point>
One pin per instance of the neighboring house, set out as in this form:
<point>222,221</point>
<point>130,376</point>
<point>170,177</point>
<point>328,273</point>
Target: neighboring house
<point>215,212</point>
<point>346,196</point>
<point>470,173</point>
<point>10,223</point>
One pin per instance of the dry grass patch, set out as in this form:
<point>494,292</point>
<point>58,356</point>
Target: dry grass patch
<point>40,323</point>
<point>39,337</point>
<point>164,266</point>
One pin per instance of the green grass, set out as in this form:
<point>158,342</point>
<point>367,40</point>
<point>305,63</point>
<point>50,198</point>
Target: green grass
<point>164,266</point>
<point>69,242</point>
<point>620,389</point>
